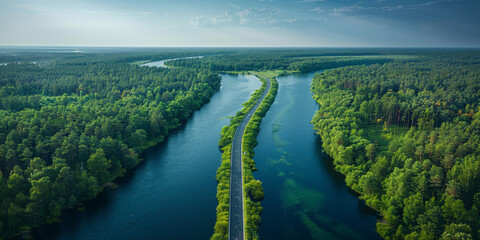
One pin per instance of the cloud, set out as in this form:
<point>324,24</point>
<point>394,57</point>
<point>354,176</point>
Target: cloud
<point>120,13</point>
<point>234,6</point>
<point>202,20</point>
<point>262,12</point>
<point>344,10</point>
<point>227,17</point>
<point>292,20</point>
<point>288,20</point>
<point>224,18</point>
<point>238,16</point>
<point>362,9</point>
<point>243,14</point>
<point>311,1</point>
<point>409,6</point>
<point>317,9</point>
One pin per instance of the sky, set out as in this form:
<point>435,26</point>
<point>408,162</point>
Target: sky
<point>245,23</point>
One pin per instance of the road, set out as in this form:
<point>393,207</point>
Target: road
<point>236,229</point>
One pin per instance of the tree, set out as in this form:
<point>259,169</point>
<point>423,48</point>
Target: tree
<point>98,166</point>
<point>16,183</point>
<point>369,183</point>
<point>419,152</point>
<point>414,206</point>
<point>254,189</point>
<point>454,210</point>
<point>41,195</point>
<point>14,212</point>
<point>370,151</point>
<point>138,138</point>
<point>457,232</point>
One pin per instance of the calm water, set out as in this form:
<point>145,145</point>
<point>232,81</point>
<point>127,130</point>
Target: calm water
<point>162,63</point>
<point>171,194</point>
<point>304,197</point>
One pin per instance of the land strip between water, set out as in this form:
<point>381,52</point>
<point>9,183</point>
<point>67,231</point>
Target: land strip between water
<point>237,192</point>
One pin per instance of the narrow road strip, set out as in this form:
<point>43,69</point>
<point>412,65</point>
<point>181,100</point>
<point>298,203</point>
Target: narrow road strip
<point>236,220</point>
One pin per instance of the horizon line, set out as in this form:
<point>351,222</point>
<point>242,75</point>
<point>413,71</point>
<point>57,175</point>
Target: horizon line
<point>103,46</point>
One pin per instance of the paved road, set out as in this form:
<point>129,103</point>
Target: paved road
<point>236,230</point>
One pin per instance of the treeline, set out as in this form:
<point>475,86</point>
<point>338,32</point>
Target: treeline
<point>253,190</point>
<point>68,129</point>
<point>260,62</point>
<point>23,85</point>
<point>86,55</point>
<point>406,136</point>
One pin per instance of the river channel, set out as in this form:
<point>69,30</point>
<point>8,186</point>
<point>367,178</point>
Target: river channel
<point>172,193</point>
<point>305,198</point>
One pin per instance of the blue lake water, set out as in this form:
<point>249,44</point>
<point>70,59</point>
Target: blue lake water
<point>305,198</point>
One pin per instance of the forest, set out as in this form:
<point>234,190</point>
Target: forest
<point>70,124</point>
<point>251,61</point>
<point>406,135</point>
<point>402,125</point>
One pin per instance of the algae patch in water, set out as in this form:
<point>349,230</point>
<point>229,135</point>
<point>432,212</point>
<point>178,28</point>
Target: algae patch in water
<point>280,143</point>
<point>314,230</point>
<point>301,198</point>
<point>276,127</point>
<point>282,160</point>
<point>306,204</point>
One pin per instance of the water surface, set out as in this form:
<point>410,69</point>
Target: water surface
<point>304,197</point>
<point>162,62</point>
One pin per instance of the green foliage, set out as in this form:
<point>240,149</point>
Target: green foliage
<point>406,135</point>
<point>98,166</point>
<point>287,60</point>
<point>457,232</point>
<point>254,190</point>
<point>74,122</point>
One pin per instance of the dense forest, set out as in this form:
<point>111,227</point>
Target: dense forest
<point>71,123</point>
<point>406,135</point>
<point>269,61</point>
<point>402,125</point>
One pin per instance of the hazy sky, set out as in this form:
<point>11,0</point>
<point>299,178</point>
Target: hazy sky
<point>210,23</point>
